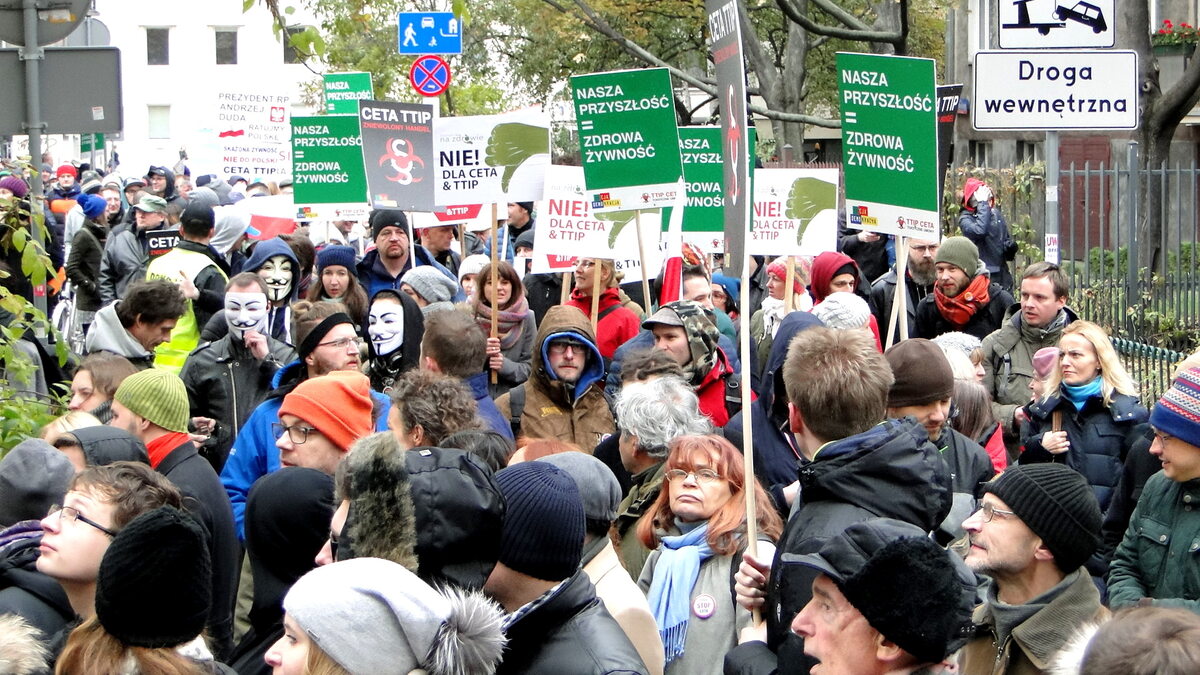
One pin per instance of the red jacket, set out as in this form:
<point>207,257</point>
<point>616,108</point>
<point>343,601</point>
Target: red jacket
<point>615,327</point>
<point>711,391</point>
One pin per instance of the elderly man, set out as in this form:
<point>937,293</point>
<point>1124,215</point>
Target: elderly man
<point>886,601</point>
<point>964,297</point>
<point>652,414</point>
<point>1036,527</point>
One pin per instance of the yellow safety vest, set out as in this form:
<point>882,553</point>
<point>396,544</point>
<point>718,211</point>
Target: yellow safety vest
<point>172,266</point>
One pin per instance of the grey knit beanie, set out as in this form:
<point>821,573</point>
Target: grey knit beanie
<point>373,616</point>
<point>430,284</point>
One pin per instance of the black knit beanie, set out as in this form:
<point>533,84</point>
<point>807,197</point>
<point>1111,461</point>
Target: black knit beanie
<point>1057,503</point>
<point>155,580</point>
<point>381,218</point>
<point>544,524</point>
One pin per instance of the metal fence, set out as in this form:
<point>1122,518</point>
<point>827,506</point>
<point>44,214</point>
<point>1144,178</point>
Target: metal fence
<point>1154,315</point>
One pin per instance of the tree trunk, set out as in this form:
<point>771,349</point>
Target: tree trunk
<point>1161,113</point>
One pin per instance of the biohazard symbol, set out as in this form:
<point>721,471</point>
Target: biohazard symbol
<point>400,158</point>
<point>733,138</point>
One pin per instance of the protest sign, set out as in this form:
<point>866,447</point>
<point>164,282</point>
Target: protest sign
<point>397,148</point>
<point>627,138</point>
<point>343,91</point>
<point>889,144</point>
<point>567,224</point>
<point>491,158</point>
<point>795,212</point>
<point>327,166</point>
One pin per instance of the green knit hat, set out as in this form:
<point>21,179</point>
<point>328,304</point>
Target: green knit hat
<point>960,252</point>
<point>158,396</point>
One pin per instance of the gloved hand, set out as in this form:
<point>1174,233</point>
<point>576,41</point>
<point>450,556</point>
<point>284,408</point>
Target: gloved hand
<point>983,194</point>
<point>807,198</point>
<point>511,144</point>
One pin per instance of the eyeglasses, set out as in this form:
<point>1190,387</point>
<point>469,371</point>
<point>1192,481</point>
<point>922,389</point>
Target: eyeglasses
<point>699,475</point>
<point>343,343</point>
<point>296,433</point>
<point>558,348</point>
<point>1162,437</point>
<point>70,514</point>
<point>989,511</point>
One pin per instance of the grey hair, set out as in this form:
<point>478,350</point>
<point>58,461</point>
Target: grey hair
<point>658,411</point>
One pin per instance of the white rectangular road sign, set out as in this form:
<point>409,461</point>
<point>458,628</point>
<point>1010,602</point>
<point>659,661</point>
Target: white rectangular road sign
<point>1055,90</point>
<point>1057,24</point>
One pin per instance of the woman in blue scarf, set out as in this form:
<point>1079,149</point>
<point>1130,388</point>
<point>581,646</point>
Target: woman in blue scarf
<point>1089,415</point>
<point>697,529</point>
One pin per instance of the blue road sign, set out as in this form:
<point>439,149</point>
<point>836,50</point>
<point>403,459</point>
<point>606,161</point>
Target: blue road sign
<point>430,75</point>
<point>429,33</point>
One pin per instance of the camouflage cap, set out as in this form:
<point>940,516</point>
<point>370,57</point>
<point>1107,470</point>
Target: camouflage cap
<point>700,325</point>
<point>151,204</point>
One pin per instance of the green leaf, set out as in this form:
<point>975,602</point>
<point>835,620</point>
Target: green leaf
<point>289,10</point>
<point>28,261</point>
<point>246,5</point>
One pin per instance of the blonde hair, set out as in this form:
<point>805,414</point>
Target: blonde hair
<point>960,363</point>
<point>91,649</point>
<point>65,424</point>
<point>320,663</point>
<point>1114,379</point>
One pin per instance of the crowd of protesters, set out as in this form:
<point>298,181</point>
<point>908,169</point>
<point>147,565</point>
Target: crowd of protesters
<point>364,448</point>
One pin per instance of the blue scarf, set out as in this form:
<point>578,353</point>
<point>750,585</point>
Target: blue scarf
<point>670,593</point>
<point>1078,394</point>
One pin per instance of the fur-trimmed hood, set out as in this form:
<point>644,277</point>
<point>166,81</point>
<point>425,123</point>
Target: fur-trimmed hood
<point>21,648</point>
<point>381,523</point>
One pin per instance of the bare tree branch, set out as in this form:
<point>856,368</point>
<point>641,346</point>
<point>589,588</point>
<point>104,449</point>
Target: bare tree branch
<point>864,35</point>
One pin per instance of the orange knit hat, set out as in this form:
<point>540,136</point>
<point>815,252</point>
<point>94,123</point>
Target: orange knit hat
<point>337,404</point>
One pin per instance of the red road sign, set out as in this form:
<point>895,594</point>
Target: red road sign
<point>430,75</point>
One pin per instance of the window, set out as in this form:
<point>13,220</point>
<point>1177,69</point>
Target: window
<point>980,153</point>
<point>158,121</point>
<point>290,55</point>
<point>226,42</point>
<point>158,46</point>
<point>1029,152</point>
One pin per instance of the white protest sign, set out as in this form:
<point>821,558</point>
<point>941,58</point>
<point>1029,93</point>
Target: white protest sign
<point>631,268</point>
<point>250,134</point>
<point>474,217</point>
<point>567,225</point>
<point>491,157</point>
<point>795,212</point>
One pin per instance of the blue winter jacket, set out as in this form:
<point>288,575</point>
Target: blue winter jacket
<point>254,454</point>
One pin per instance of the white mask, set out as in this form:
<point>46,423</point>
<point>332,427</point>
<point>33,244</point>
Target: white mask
<point>246,312</point>
<point>277,272</point>
<point>386,326</point>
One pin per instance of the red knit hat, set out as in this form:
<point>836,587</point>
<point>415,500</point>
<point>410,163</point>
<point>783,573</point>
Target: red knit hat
<point>65,169</point>
<point>337,404</point>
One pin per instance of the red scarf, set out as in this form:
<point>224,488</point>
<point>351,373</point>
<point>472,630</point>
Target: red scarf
<point>159,448</point>
<point>959,309</point>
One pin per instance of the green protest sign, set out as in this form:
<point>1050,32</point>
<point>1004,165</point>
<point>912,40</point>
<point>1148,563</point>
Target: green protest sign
<point>627,138</point>
<point>889,143</point>
<point>704,176</point>
<point>90,142</point>
<point>343,91</point>
<point>327,162</point>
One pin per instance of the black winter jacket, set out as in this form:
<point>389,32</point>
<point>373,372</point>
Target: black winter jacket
<point>206,500</point>
<point>29,594</point>
<point>889,471</point>
<point>568,633</point>
<point>931,323</point>
<point>83,266</point>
<point>1100,438</point>
<point>225,382</point>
